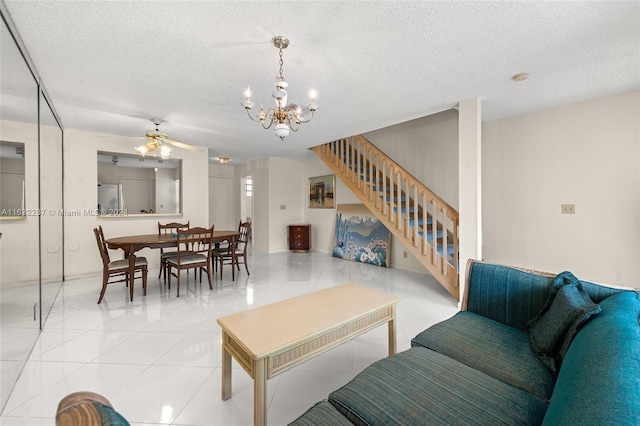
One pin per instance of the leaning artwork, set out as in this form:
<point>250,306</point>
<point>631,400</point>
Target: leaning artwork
<point>360,236</point>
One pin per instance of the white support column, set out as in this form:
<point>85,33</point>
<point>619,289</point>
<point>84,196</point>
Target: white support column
<point>470,183</point>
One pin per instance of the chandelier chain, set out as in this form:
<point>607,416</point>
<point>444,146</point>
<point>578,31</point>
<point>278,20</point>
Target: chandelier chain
<point>281,63</point>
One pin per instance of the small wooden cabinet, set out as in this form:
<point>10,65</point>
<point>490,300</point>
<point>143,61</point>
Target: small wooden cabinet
<point>299,238</point>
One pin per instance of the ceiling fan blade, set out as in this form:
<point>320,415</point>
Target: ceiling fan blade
<point>183,145</point>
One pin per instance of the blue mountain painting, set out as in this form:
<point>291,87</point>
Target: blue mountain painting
<point>360,237</point>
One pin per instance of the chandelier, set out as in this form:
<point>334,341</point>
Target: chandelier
<point>284,116</point>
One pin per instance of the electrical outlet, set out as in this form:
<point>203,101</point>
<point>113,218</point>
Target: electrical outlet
<point>404,254</point>
<point>283,206</point>
<point>568,209</point>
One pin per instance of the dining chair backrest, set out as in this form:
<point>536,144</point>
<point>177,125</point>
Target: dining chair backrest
<point>102,245</point>
<point>244,240</point>
<point>170,228</point>
<point>195,240</point>
<point>245,232</point>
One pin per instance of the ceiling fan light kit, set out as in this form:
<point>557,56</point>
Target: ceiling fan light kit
<point>161,142</point>
<point>284,116</point>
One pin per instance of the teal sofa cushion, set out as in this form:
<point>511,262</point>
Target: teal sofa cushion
<point>423,387</point>
<point>567,309</point>
<point>321,414</point>
<point>598,292</point>
<point>496,349</point>
<point>507,295</point>
<point>599,382</point>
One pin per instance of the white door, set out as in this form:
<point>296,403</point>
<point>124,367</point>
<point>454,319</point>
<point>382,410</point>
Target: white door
<point>221,204</point>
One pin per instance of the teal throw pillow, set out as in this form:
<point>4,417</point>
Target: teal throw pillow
<point>109,416</point>
<point>567,309</point>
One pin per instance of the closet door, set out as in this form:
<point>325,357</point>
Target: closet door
<point>221,204</point>
<point>51,225</point>
<point>19,224</point>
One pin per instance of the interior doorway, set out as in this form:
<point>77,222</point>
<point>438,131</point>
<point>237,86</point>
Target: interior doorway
<point>246,199</point>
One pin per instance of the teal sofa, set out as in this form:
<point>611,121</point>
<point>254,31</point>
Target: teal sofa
<point>479,367</point>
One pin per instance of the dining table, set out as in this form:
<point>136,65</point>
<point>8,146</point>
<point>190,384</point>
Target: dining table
<point>130,244</point>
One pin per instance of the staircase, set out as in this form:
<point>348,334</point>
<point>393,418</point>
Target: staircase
<point>423,222</point>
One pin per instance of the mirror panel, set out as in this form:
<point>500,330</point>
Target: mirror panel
<point>51,225</point>
<point>12,182</point>
<point>19,260</point>
<point>133,185</point>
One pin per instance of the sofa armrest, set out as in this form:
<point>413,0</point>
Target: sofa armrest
<point>512,296</point>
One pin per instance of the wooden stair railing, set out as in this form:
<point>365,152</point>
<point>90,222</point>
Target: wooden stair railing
<point>423,222</point>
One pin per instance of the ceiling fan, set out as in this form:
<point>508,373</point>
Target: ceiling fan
<point>161,142</point>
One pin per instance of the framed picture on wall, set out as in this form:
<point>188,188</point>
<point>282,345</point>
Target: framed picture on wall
<point>322,192</point>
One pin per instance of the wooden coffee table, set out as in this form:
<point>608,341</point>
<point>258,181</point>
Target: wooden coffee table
<point>271,339</point>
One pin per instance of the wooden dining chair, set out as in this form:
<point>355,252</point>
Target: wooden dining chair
<point>194,252</point>
<point>118,268</point>
<point>168,229</point>
<point>226,256</point>
<point>225,244</point>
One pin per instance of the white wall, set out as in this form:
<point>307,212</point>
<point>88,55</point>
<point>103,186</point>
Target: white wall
<point>427,148</point>
<point>587,154</point>
<point>81,252</point>
<point>286,200</point>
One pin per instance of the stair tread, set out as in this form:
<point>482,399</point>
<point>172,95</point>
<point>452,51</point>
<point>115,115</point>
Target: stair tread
<point>430,235</point>
<point>421,221</point>
<point>404,210</point>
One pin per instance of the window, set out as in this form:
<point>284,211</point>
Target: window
<point>248,186</point>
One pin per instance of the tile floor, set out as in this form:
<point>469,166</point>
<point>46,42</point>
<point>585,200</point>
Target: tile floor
<point>157,359</point>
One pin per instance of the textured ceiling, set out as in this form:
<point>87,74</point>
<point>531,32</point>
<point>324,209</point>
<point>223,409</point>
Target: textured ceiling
<point>110,66</point>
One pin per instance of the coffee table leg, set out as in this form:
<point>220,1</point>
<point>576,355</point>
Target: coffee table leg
<point>260,393</point>
<point>392,332</point>
<point>226,370</point>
